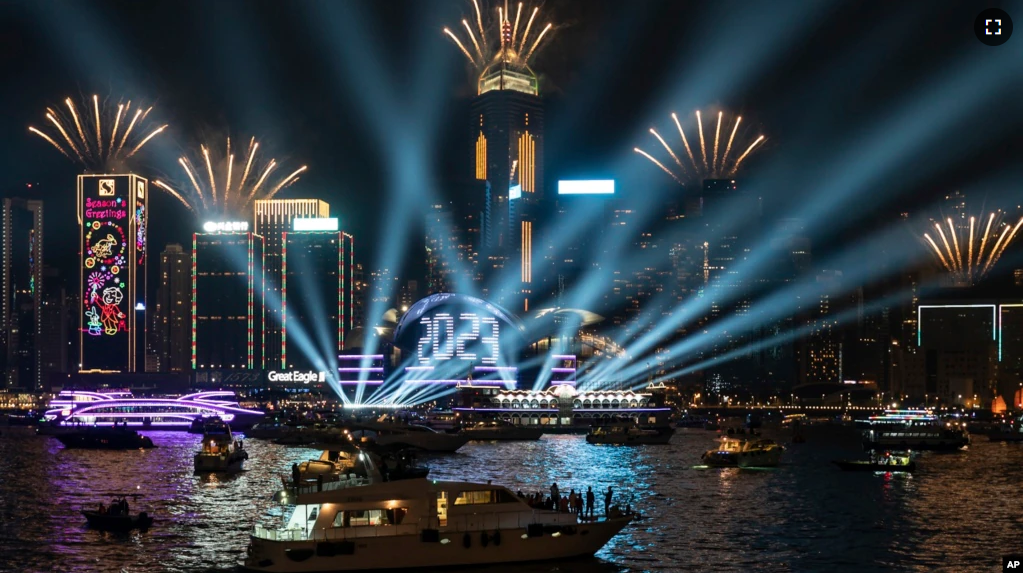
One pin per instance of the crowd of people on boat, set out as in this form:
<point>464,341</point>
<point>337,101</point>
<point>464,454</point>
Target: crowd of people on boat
<point>116,507</point>
<point>579,503</point>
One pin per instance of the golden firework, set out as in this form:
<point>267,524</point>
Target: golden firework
<point>967,267</point>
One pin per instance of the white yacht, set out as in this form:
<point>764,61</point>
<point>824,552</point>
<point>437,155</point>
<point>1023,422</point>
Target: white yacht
<point>364,524</point>
<point>411,436</point>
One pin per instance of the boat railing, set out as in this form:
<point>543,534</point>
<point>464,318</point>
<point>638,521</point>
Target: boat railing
<point>334,485</point>
<point>454,524</point>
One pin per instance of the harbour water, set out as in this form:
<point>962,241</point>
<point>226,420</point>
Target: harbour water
<point>959,512</point>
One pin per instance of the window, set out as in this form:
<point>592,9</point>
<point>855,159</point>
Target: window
<point>484,497</point>
<point>362,517</point>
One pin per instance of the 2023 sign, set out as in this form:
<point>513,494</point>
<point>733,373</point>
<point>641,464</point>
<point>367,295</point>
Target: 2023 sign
<point>475,339</point>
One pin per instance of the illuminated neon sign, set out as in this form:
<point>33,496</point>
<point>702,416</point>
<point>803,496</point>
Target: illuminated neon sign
<point>587,187</point>
<point>315,224</point>
<point>303,376</point>
<point>113,221</point>
<point>226,227</point>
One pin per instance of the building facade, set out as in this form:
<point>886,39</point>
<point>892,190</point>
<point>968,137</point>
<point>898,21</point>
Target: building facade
<point>21,310</point>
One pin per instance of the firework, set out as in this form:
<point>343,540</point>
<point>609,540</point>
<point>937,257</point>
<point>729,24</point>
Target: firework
<point>215,190</point>
<point>98,134</point>
<point>505,43</point>
<point>990,235</point>
<point>704,165</point>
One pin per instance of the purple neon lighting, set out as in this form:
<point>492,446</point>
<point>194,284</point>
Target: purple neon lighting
<point>423,368</point>
<point>494,368</point>
<point>563,369</point>
<point>475,382</point>
<point>360,356</point>
<point>367,369</point>
<point>357,382</point>
<point>564,356</point>
<point>163,402</point>
<point>563,382</point>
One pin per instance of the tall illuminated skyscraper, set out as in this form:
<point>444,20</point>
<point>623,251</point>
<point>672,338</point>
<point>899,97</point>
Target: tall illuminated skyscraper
<point>507,118</point>
<point>173,325</point>
<point>113,217</point>
<point>21,266</point>
<point>227,300</point>
<point>316,293</point>
<point>274,218</point>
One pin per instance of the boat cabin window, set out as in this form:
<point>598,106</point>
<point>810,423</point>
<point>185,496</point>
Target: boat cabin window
<point>363,517</point>
<point>484,497</point>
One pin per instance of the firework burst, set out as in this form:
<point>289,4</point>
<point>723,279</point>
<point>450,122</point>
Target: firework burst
<point>98,134</point>
<point>969,249</point>
<point>227,184</point>
<point>719,157</point>
<point>509,39</point>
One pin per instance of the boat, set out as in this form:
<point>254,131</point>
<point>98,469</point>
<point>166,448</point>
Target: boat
<point>341,461</point>
<point>629,435</point>
<point>219,451</point>
<point>888,462</point>
<point>109,408</point>
<point>914,430</point>
<point>744,452</point>
<point>198,425</point>
<point>408,435</point>
<point>498,430</point>
<point>112,438</point>
<point>364,524</point>
<point>1012,431</point>
<point>691,421</point>
<point>117,516</point>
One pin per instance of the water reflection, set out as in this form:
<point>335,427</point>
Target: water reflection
<point>958,512</point>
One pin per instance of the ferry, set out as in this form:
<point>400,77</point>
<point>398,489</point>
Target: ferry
<point>112,438</point>
<point>365,523</point>
<point>913,430</point>
<point>82,407</point>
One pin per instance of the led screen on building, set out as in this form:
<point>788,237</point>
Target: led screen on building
<point>450,338</point>
<point>113,221</point>
<point>586,187</point>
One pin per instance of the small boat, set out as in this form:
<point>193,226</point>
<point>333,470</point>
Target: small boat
<point>220,452</point>
<point>495,430</point>
<point>114,438</point>
<point>117,517</point>
<point>1007,432</point>
<point>886,463</point>
<point>197,426</point>
<point>629,435</point>
<point>691,421</point>
<point>735,451</point>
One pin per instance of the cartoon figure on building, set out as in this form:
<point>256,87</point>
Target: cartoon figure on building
<point>95,328</point>
<point>111,315</point>
<point>104,247</point>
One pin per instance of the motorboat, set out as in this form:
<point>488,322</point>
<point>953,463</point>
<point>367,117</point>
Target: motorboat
<point>914,430</point>
<point>629,435</point>
<point>117,517</point>
<point>219,451</point>
<point>497,430</point>
<point>1012,431</point>
<point>361,524</point>
<point>691,421</point>
<point>888,462</point>
<point>341,461</point>
<point>105,438</point>
<point>744,452</point>
<point>410,436</point>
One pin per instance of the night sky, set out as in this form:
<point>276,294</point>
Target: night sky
<point>825,81</point>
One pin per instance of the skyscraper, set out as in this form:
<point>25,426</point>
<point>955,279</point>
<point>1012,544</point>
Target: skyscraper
<point>274,218</point>
<point>316,314</point>
<point>227,300</point>
<point>113,218</point>
<point>21,225</point>
<point>173,325</point>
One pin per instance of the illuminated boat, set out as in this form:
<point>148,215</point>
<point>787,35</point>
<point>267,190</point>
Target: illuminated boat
<point>113,438</point>
<point>914,430</point>
<point>220,452</point>
<point>362,524</point>
<point>85,408</point>
<point>629,435</point>
<point>501,430</point>
<point>408,436</point>
<point>888,462</point>
<point>744,453</point>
